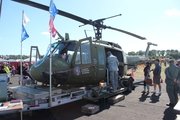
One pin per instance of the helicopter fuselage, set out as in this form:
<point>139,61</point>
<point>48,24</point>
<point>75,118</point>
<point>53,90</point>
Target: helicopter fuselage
<point>85,62</point>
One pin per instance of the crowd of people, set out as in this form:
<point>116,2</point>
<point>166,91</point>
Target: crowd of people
<point>24,78</point>
<point>172,79</point>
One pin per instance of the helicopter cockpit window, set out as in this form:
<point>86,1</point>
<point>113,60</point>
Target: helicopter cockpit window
<point>78,57</point>
<point>50,48</point>
<point>85,52</point>
<point>61,48</point>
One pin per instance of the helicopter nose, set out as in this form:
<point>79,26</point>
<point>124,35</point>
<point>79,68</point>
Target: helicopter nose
<point>40,72</point>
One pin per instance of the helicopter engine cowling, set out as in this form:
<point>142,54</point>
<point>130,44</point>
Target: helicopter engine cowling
<point>41,73</point>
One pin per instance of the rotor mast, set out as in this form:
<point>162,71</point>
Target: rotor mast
<point>98,26</point>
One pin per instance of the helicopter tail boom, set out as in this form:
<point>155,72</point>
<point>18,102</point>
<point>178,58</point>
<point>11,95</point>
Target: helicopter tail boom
<point>147,49</point>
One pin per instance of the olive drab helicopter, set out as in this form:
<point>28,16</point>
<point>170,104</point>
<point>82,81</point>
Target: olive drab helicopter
<point>83,62</point>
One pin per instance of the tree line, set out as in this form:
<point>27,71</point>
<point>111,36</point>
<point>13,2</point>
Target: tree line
<point>7,57</point>
<point>153,54</point>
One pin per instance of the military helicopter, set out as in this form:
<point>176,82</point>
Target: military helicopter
<point>83,62</point>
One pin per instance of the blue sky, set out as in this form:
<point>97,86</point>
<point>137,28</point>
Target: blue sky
<point>156,20</point>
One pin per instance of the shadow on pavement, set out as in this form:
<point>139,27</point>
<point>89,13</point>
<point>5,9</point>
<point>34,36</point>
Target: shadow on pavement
<point>143,97</point>
<point>169,114</point>
<point>154,98</point>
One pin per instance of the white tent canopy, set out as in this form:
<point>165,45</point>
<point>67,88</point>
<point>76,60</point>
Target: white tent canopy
<point>13,60</point>
<point>3,60</point>
<point>33,59</point>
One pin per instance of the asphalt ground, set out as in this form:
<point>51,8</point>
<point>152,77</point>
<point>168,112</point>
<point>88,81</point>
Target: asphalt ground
<point>135,106</point>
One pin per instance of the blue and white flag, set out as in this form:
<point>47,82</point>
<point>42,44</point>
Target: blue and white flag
<point>52,9</point>
<point>24,34</point>
<point>25,19</point>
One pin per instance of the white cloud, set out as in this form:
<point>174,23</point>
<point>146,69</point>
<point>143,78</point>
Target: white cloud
<point>45,33</point>
<point>173,12</point>
<point>48,34</point>
<point>178,34</point>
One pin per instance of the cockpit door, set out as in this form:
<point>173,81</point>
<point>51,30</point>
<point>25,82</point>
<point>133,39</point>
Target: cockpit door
<point>83,65</point>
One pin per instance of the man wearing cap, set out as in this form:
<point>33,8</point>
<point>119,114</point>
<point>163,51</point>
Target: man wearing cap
<point>157,76</point>
<point>172,77</point>
<point>112,64</point>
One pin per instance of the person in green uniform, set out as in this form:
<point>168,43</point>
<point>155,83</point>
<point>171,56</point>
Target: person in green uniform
<point>171,80</point>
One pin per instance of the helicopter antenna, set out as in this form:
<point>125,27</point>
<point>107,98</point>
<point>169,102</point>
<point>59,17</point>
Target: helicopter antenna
<point>85,33</point>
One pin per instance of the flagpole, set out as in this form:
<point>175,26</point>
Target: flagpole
<point>21,48</point>
<point>0,7</point>
<point>50,73</point>
<point>53,11</point>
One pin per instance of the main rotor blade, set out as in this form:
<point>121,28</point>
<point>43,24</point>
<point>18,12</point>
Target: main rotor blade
<point>74,17</point>
<point>134,35</point>
<point>46,8</point>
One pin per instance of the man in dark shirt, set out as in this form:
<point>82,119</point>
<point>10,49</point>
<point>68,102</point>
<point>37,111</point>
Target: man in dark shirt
<point>26,79</point>
<point>19,73</point>
<point>157,76</point>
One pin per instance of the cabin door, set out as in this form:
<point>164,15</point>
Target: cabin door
<point>100,65</point>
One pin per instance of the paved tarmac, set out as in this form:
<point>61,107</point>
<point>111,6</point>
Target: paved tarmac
<point>136,106</point>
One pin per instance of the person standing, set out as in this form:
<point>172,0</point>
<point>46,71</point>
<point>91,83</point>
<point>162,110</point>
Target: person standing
<point>25,73</point>
<point>7,69</point>
<point>171,80</point>
<point>157,76</point>
<point>13,70</point>
<point>112,64</point>
<point>146,75</point>
<point>19,73</point>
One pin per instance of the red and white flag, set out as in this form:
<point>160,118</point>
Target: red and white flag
<point>52,29</point>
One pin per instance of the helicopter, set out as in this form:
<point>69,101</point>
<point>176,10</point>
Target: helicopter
<point>83,62</point>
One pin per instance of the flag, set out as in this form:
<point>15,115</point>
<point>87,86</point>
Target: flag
<point>52,29</point>
<point>24,34</point>
<point>52,9</point>
<point>25,19</point>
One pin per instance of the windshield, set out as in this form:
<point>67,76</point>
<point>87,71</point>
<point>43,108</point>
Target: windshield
<point>62,48</point>
<point>50,48</point>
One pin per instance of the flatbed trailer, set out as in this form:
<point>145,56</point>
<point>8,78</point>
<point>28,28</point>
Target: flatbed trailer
<point>36,97</point>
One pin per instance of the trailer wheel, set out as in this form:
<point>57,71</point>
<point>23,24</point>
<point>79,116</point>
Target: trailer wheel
<point>130,84</point>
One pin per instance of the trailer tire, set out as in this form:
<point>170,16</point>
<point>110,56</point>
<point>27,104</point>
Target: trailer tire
<point>130,84</point>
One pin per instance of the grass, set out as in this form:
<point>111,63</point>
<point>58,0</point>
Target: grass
<point>140,74</point>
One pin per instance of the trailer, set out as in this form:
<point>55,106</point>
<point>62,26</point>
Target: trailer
<point>37,97</point>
